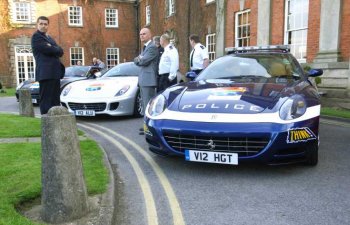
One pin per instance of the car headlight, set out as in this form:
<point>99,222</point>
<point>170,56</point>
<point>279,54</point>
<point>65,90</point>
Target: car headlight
<point>293,108</point>
<point>157,105</point>
<point>123,90</point>
<point>66,90</point>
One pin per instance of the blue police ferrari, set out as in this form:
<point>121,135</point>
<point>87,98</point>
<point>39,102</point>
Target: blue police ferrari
<point>254,104</point>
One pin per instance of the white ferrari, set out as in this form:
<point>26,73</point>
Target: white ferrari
<point>115,93</point>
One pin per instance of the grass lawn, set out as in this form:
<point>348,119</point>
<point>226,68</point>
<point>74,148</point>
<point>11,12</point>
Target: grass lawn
<point>9,92</point>
<point>19,126</point>
<point>20,170</point>
<point>343,113</point>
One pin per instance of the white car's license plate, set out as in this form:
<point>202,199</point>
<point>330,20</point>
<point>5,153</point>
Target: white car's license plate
<point>212,157</point>
<point>34,101</point>
<point>84,112</point>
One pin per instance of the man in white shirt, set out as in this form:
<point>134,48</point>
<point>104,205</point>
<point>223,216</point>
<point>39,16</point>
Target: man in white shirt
<point>168,64</point>
<point>199,57</point>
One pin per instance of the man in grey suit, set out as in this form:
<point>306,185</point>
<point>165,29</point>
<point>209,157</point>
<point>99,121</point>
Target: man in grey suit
<point>148,61</point>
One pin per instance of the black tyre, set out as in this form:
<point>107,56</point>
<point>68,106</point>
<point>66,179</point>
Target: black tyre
<point>312,154</point>
<point>138,107</point>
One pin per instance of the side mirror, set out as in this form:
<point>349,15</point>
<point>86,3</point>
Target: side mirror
<point>315,72</point>
<point>191,75</point>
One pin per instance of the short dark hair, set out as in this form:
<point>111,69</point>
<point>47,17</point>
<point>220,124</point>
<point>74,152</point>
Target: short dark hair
<point>43,18</point>
<point>194,37</point>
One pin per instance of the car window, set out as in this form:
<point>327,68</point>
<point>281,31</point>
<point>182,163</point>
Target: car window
<point>76,71</point>
<point>123,69</point>
<point>254,65</point>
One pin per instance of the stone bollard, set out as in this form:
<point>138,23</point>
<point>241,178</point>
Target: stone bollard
<point>64,194</point>
<point>25,103</point>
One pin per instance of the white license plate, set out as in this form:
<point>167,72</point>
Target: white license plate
<point>34,101</point>
<point>84,112</point>
<point>212,157</point>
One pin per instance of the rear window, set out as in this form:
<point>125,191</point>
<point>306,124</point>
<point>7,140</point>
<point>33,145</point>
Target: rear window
<point>76,71</point>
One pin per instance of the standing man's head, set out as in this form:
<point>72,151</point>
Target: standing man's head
<point>94,60</point>
<point>156,40</point>
<point>164,40</point>
<point>194,39</point>
<point>42,24</point>
<point>145,35</point>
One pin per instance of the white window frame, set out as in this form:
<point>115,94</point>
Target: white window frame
<point>22,12</point>
<point>211,46</point>
<point>111,14</point>
<point>148,14</point>
<point>112,57</point>
<point>76,51</point>
<point>297,25</point>
<point>75,16</point>
<point>209,1</point>
<point>25,63</point>
<point>242,26</point>
<point>171,7</point>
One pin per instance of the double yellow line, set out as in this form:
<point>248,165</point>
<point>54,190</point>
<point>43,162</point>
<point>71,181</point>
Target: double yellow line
<point>151,210</point>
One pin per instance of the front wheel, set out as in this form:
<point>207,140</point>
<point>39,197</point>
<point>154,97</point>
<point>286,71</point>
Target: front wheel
<point>312,154</point>
<point>138,107</point>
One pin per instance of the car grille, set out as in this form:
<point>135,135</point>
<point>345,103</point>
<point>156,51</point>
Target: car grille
<point>244,146</point>
<point>98,107</point>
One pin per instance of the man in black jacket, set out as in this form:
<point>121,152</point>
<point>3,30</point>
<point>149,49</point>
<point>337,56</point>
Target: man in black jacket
<point>49,69</point>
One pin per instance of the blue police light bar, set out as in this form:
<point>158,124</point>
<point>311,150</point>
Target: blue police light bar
<point>276,48</point>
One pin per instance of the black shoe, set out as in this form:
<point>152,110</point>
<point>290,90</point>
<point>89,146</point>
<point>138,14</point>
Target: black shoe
<point>141,129</point>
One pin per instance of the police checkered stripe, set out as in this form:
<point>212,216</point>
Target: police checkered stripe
<point>310,113</point>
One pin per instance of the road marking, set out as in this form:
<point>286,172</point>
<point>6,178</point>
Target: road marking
<point>173,202</point>
<point>151,211</point>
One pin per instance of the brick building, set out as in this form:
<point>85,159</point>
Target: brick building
<point>316,30</point>
<point>105,29</point>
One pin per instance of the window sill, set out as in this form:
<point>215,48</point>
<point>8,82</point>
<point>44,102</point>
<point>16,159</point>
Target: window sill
<point>75,26</point>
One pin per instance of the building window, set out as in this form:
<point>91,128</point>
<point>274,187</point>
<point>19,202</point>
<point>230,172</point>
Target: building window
<point>296,27</point>
<point>76,54</point>
<point>22,12</point>
<point>209,1</point>
<point>75,16</point>
<point>211,45</point>
<point>170,7</point>
<point>112,57</point>
<point>148,15</point>
<point>111,17</point>
<point>242,31</point>
<point>25,64</point>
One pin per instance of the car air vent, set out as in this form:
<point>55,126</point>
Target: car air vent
<point>113,106</point>
<point>98,107</point>
<point>244,146</point>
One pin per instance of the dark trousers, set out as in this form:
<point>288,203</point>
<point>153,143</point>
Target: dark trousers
<point>164,82</point>
<point>49,92</point>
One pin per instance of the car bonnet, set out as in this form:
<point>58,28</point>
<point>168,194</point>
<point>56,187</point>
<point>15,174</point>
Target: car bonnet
<point>246,98</point>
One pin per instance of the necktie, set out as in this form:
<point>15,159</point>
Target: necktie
<point>144,47</point>
<point>191,61</point>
